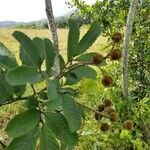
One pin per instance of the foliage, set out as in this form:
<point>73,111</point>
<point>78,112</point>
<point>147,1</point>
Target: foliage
<point>139,58</point>
<point>57,94</point>
<point>113,14</point>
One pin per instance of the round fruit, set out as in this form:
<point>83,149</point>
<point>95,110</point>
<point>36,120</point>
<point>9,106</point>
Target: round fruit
<point>107,103</point>
<point>101,107</point>
<point>107,81</point>
<point>128,124</point>
<point>98,58</point>
<point>110,110</point>
<point>117,37</point>
<point>114,117</point>
<point>115,54</point>
<point>104,127</point>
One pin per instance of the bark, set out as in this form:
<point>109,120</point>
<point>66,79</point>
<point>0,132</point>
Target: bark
<point>127,35</point>
<point>52,26</point>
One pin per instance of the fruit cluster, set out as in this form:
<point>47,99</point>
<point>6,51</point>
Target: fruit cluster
<point>106,109</point>
<point>114,54</point>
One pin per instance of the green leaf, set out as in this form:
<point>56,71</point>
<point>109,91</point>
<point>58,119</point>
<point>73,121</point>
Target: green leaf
<point>28,52</point>
<point>23,123</point>
<point>90,87</point>
<point>43,96</point>
<point>6,90</point>
<point>73,39</point>
<point>86,57</point>
<point>19,90</point>
<point>61,62</point>
<point>32,103</point>
<point>22,75</point>
<point>7,59</point>
<point>48,140</point>
<point>59,125</point>
<point>80,73</point>
<point>40,46</point>
<point>54,104</point>
<point>26,142</point>
<point>72,112</point>
<point>52,89</point>
<point>90,37</point>
<point>49,54</point>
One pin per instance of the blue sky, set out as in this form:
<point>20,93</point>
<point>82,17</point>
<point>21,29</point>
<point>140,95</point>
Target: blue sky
<point>30,10</point>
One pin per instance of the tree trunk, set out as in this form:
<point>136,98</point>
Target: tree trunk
<point>52,26</point>
<point>128,31</point>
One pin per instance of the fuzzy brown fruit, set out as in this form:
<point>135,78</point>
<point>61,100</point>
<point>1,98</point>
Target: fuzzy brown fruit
<point>114,117</point>
<point>117,37</point>
<point>97,59</point>
<point>107,81</point>
<point>110,110</point>
<point>101,107</point>
<point>115,54</point>
<point>104,127</point>
<point>107,102</point>
<point>128,124</point>
<point>97,116</point>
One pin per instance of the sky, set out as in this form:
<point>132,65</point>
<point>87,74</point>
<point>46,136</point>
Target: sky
<point>30,10</point>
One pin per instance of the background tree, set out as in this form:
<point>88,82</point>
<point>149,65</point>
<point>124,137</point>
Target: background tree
<point>127,34</point>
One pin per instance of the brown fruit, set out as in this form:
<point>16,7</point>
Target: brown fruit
<point>104,127</point>
<point>110,110</point>
<point>107,103</point>
<point>128,124</point>
<point>101,107</point>
<point>115,54</point>
<point>117,37</point>
<point>114,117</point>
<point>107,81</point>
<point>98,58</point>
<point>97,116</point>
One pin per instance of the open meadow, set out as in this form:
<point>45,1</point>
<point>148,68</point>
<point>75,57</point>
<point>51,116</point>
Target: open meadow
<point>11,43</point>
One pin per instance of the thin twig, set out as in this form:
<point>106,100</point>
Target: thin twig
<point>110,50</point>
<point>22,98</point>
<point>74,66</point>
<point>34,92</point>
<point>90,109</point>
<point>3,145</point>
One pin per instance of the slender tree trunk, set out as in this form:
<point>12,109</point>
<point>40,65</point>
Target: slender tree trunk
<point>52,26</point>
<point>128,31</point>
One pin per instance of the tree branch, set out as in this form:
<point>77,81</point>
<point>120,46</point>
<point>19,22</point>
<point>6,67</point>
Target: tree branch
<point>22,98</point>
<point>90,109</point>
<point>72,67</point>
<point>52,25</point>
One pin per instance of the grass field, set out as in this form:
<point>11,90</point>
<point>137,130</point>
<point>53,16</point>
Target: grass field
<point>7,112</point>
<point>11,43</point>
